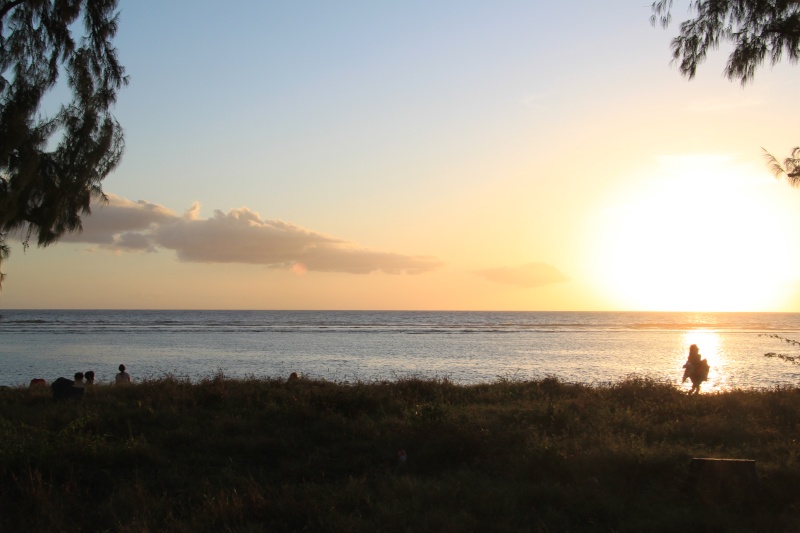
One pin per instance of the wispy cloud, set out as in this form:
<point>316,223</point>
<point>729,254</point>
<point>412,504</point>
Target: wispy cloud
<point>722,105</point>
<point>534,101</point>
<point>239,236</point>
<point>528,276</point>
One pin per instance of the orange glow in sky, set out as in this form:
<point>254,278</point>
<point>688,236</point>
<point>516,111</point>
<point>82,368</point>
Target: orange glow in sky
<point>421,155</point>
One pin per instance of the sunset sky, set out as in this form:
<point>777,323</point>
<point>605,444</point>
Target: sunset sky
<point>511,155</point>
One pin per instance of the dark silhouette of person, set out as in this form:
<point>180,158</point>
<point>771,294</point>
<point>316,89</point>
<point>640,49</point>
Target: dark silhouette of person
<point>78,382</point>
<point>123,378</point>
<point>65,389</point>
<point>89,375</point>
<point>62,388</point>
<point>696,369</point>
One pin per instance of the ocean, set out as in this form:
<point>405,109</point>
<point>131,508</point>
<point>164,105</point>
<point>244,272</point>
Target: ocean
<point>349,346</point>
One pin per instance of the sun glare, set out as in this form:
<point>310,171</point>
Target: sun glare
<point>699,238</point>
<point>710,349</point>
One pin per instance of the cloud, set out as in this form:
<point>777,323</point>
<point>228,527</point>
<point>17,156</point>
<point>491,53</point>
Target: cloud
<point>533,101</point>
<point>121,224</point>
<point>529,275</point>
<point>239,236</point>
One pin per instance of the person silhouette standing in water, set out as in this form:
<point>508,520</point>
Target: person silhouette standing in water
<point>696,369</point>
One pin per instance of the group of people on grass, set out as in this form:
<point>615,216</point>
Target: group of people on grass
<point>64,388</point>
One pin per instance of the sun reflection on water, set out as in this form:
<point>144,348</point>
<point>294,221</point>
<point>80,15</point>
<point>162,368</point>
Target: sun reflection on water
<point>711,349</point>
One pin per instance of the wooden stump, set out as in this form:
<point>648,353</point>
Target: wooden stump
<point>723,480</point>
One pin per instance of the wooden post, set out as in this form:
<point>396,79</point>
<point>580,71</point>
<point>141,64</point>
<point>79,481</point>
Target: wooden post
<point>723,479</point>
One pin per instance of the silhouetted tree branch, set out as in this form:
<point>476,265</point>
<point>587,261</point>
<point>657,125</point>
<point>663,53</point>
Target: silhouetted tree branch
<point>757,29</point>
<point>51,166</point>
<point>789,168</point>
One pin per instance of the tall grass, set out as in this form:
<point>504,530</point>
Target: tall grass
<point>255,455</point>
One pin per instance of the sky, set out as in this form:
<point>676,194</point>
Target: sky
<point>451,155</point>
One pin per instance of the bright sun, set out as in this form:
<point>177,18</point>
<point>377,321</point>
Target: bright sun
<point>700,237</point>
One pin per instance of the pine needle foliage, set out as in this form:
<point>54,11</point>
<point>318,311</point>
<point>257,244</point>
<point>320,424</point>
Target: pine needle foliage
<point>789,168</point>
<point>52,165</point>
<point>758,29</point>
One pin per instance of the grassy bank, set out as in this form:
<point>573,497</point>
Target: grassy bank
<point>252,455</point>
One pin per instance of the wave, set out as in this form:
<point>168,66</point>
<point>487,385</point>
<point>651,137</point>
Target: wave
<point>408,322</point>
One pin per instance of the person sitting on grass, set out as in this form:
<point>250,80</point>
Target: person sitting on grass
<point>123,378</point>
<point>65,389</point>
<point>696,369</point>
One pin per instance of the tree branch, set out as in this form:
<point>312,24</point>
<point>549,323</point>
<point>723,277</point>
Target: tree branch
<point>8,7</point>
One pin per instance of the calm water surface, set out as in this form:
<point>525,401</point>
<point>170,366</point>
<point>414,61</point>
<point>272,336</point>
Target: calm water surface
<point>465,347</point>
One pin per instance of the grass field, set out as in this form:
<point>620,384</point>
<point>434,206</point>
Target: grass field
<point>257,455</point>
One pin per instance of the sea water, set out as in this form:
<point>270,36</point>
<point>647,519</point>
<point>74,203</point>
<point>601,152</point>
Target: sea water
<point>349,346</point>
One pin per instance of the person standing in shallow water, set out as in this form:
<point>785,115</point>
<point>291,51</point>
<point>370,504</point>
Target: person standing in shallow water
<point>696,369</point>
<point>123,378</point>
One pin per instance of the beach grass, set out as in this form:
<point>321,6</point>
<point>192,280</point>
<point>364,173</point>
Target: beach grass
<point>310,455</point>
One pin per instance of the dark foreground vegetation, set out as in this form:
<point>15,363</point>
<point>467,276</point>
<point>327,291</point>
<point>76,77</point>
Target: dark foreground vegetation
<point>257,455</point>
